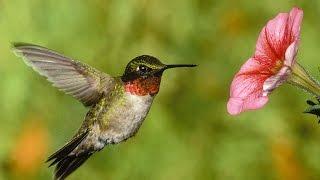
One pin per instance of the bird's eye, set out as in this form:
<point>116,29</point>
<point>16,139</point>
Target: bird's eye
<point>142,69</point>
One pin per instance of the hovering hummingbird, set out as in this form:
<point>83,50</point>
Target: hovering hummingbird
<point>118,105</point>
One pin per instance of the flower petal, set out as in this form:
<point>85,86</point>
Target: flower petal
<point>246,90</point>
<point>276,80</point>
<point>296,16</point>
<point>271,41</point>
<point>271,64</point>
<point>237,105</point>
<point>277,36</point>
<point>291,53</point>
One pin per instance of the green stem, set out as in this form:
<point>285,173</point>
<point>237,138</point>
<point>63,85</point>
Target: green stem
<point>301,78</point>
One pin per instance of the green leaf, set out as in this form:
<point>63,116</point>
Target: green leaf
<point>315,109</point>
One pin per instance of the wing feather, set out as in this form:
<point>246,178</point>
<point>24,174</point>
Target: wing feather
<point>77,79</point>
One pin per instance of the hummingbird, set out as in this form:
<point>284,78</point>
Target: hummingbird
<point>117,105</point>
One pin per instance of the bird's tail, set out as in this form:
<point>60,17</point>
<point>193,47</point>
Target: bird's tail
<point>65,160</point>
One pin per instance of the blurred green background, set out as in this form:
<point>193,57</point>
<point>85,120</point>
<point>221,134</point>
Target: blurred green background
<point>188,133</point>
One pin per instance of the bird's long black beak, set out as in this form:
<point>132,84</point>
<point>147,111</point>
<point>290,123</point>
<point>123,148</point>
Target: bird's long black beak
<point>179,65</point>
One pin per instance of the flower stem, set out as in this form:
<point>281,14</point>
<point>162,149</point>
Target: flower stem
<point>301,78</point>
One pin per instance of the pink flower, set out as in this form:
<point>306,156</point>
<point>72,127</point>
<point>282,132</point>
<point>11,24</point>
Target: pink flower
<point>270,65</point>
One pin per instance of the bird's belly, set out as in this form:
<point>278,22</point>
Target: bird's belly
<point>127,119</point>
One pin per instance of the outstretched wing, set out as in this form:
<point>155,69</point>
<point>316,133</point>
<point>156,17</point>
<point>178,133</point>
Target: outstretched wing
<point>77,79</point>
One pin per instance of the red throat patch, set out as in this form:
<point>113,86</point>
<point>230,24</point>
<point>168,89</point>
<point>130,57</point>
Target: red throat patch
<point>142,87</point>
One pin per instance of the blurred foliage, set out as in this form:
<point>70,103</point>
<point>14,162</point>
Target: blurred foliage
<point>188,133</point>
<point>314,108</point>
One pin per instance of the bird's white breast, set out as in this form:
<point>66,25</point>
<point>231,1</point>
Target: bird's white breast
<point>129,117</point>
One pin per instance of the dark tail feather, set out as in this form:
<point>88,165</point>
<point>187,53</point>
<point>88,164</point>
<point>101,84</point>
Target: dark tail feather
<point>69,164</point>
<point>66,162</point>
